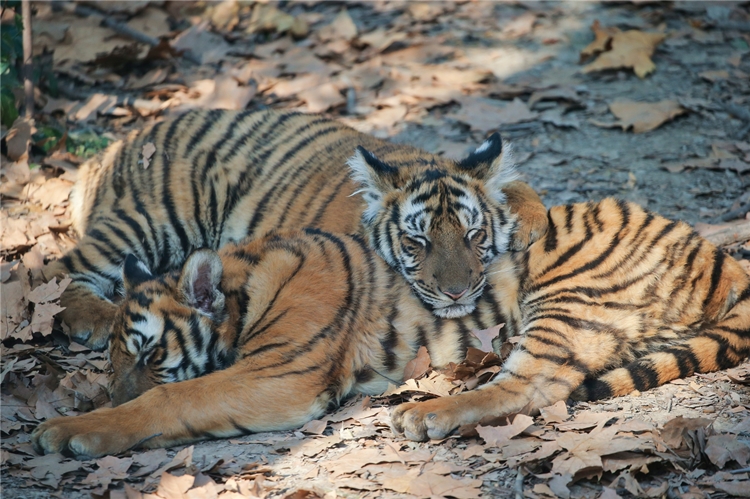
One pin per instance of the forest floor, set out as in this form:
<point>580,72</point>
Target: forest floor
<point>644,101</point>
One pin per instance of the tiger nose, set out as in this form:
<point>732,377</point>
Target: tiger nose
<point>450,292</point>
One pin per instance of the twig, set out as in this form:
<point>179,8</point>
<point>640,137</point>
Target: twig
<point>519,483</point>
<point>351,101</point>
<point>741,470</point>
<point>731,215</point>
<point>28,68</point>
<point>737,233</point>
<point>123,29</point>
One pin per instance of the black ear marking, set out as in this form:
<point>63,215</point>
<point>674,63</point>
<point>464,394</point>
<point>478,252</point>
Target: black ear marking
<point>134,271</point>
<point>484,154</point>
<point>380,167</point>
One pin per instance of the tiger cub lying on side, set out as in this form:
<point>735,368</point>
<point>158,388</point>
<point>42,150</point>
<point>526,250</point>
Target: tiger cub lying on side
<point>219,176</point>
<point>613,298</point>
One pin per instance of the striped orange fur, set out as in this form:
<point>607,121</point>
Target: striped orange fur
<point>613,298</point>
<point>219,176</point>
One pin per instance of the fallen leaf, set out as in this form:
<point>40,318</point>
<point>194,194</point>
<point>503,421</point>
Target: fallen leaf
<point>417,366</point>
<point>322,97</point>
<point>556,413</point>
<point>49,291</point>
<point>497,436</point>
<point>174,487</point>
<point>208,47</point>
<point>314,427</point>
<point>629,49</point>
<point>602,38</point>
<point>18,138</point>
<point>723,448</point>
<point>521,25</point>
<point>713,76</point>
<point>267,17</point>
<point>485,336</point>
<point>643,116</point>
<point>429,485</point>
<point>147,151</point>
<point>484,114</point>
<point>342,27</point>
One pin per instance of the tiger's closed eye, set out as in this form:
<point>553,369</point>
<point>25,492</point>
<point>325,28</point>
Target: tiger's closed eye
<point>474,233</point>
<point>418,240</point>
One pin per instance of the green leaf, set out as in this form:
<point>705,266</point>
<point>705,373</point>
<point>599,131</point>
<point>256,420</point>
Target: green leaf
<point>8,111</point>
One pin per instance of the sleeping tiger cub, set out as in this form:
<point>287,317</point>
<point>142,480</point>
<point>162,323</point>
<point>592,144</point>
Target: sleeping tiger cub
<point>218,176</point>
<point>612,299</point>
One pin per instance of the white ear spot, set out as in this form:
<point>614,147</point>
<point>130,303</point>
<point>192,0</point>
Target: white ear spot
<point>143,267</point>
<point>485,145</point>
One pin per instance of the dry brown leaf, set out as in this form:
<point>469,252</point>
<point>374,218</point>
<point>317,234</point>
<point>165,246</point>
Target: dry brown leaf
<point>314,427</point>
<point>428,485</point>
<point>417,366</point>
<point>267,17</point>
<point>643,116</point>
<point>484,114</point>
<point>322,97</point>
<point>556,413</point>
<point>721,449</point>
<point>497,436</point>
<point>208,47</point>
<point>485,336</point>
<point>174,487</point>
<point>630,49</point>
<point>521,25</point>
<point>222,92</point>
<point>49,291</point>
<point>225,15</point>
<point>602,38</point>
<point>147,152</point>
<point>380,39</point>
<point>342,27</point>
<point>713,76</point>
<point>51,193</point>
<point>152,21</point>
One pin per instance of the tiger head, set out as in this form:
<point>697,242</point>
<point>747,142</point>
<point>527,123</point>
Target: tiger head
<point>164,328</point>
<point>438,222</point>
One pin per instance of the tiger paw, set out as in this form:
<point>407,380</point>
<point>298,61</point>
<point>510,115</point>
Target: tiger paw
<point>532,225</point>
<point>92,325</point>
<point>422,421</point>
<point>79,437</point>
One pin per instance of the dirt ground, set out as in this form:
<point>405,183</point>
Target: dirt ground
<point>439,76</point>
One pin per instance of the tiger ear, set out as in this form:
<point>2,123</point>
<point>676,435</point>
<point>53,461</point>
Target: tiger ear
<point>375,178</point>
<point>492,163</point>
<point>134,272</point>
<point>199,282</point>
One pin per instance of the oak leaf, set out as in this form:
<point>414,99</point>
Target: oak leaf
<point>629,49</point>
<point>485,336</point>
<point>642,116</point>
<point>417,366</point>
<point>497,436</point>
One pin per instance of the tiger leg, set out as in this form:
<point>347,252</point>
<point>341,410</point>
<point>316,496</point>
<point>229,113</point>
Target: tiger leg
<point>89,311</point>
<point>526,382</point>
<point>226,403</point>
<point>525,203</point>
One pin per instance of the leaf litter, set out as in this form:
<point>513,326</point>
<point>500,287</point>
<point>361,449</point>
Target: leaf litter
<point>384,70</point>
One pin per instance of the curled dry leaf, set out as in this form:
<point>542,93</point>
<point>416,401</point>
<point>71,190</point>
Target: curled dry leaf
<point>419,365</point>
<point>147,152</point>
<point>622,49</point>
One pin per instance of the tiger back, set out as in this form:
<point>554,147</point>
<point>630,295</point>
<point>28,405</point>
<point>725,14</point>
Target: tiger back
<point>219,176</point>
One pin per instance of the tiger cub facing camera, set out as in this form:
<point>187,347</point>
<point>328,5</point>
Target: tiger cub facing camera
<point>269,334</point>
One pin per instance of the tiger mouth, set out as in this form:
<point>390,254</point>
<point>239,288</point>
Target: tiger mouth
<point>453,310</point>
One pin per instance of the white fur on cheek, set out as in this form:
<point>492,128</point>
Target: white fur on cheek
<point>151,329</point>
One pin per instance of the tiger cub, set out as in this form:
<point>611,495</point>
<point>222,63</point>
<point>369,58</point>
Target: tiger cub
<point>612,299</point>
<point>218,176</point>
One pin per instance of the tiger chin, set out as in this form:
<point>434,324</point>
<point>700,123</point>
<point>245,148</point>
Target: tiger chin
<point>219,176</point>
<point>269,334</point>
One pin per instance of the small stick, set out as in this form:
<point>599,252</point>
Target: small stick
<point>121,28</point>
<point>731,215</point>
<point>519,483</point>
<point>28,68</point>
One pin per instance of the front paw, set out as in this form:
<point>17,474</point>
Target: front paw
<point>77,437</point>
<point>421,421</point>
<point>533,224</point>
<point>91,326</point>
